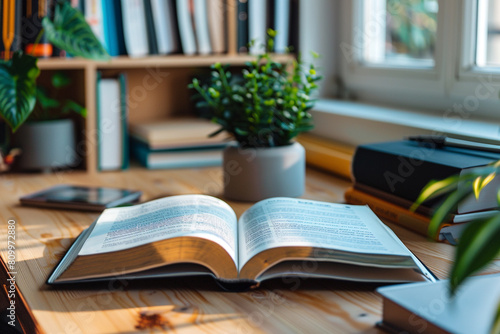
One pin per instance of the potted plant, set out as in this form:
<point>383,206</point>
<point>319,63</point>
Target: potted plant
<point>263,109</point>
<point>68,31</point>
<point>47,139</point>
<point>479,243</point>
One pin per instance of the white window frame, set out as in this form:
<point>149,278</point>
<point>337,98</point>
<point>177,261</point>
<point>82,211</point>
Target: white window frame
<point>454,85</point>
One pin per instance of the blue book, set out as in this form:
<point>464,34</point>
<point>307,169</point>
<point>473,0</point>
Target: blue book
<point>113,27</point>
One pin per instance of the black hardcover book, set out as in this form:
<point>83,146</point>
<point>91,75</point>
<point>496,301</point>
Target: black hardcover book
<point>294,26</point>
<point>10,21</point>
<point>152,41</point>
<point>242,12</point>
<point>404,168</point>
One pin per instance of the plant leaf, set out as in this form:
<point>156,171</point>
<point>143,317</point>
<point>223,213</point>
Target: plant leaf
<point>478,245</point>
<point>448,205</point>
<point>70,105</point>
<point>60,79</point>
<point>495,328</point>
<point>436,188</point>
<point>44,100</point>
<point>69,31</point>
<point>17,89</point>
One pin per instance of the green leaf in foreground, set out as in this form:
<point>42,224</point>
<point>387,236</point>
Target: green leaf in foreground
<point>495,328</point>
<point>17,89</point>
<point>69,31</point>
<point>478,245</point>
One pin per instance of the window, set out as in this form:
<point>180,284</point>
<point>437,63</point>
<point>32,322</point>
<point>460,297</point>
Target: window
<point>427,55</point>
<point>401,33</point>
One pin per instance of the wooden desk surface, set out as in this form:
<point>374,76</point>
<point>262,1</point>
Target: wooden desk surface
<point>178,305</point>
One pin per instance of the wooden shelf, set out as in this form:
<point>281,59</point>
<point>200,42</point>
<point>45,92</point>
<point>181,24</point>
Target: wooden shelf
<point>172,61</point>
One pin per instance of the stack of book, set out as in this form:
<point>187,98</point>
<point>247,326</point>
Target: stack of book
<point>389,177</point>
<point>177,143</point>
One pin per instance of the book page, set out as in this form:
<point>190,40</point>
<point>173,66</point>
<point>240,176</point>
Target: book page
<point>281,222</point>
<point>186,215</point>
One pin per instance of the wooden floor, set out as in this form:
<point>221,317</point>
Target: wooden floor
<point>177,305</point>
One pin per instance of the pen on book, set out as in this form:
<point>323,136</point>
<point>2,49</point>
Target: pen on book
<point>442,141</point>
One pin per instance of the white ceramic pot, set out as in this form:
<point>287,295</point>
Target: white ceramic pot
<point>46,145</point>
<point>253,174</point>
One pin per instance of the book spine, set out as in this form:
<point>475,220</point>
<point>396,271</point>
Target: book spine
<point>242,26</point>
<point>34,13</point>
<point>186,28</point>
<point>122,78</point>
<point>401,175</point>
<point>202,27</point>
<point>10,21</point>
<point>257,24</point>
<point>150,26</point>
<point>281,25</point>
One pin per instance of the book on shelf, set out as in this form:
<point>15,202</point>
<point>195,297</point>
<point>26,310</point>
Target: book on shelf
<point>242,26</point>
<point>216,10</point>
<point>150,28</point>
<point>202,27</point>
<point>201,235</point>
<point>31,26</point>
<point>10,21</point>
<point>165,25</point>
<point>404,168</point>
<point>426,308</point>
<point>281,25</point>
<point>184,157</point>
<point>185,19</point>
<point>177,133</point>
<point>113,28</point>
<point>112,135</point>
<point>94,15</point>
<point>134,28</point>
<point>257,25</point>
<point>413,221</point>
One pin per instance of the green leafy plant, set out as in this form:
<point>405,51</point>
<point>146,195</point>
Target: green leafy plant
<point>55,107</point>
<point>18,92</point>
<point>264,107</point>
<point>479,243</point>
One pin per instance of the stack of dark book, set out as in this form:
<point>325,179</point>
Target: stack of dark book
<point>389,177</point>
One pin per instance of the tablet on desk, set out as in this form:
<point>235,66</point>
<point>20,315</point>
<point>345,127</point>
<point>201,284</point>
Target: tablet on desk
<point>81,197</point>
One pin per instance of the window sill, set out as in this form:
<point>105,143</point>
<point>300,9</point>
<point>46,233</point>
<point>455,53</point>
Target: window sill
<point>353,123</point>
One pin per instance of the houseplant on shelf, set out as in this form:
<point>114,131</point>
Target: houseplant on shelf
<point>68,31</point>
<point>479,243</point>
<point>263,110</point>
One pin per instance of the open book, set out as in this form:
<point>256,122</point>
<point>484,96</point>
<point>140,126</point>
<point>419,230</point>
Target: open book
<point>201,235</point>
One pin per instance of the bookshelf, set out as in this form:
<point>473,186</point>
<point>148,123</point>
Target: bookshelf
<point>156,88</point>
